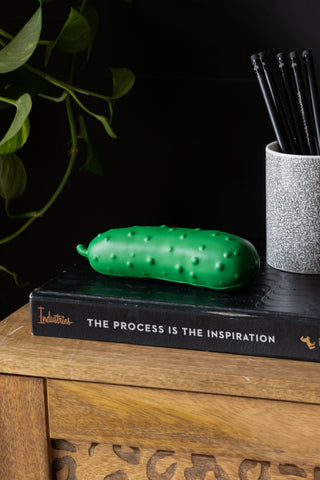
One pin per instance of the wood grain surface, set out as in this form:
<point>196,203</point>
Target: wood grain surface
<point>23,431</point>
<point>173,369</point>
<point>276,431</point>
<point>98,461</point>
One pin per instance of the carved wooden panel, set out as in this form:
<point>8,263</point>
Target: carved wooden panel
<point>94,461</point>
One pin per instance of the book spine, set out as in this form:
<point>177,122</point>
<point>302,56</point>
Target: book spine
<point>258,334</point>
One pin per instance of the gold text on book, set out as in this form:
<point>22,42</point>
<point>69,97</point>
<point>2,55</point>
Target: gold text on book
<point>55,318</point>
<point>311,345</point>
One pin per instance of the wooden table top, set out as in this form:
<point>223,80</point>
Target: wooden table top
<point>22,353</point>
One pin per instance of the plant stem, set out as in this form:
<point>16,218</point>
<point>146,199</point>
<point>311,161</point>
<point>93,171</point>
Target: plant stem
<point>73,155</point>
<point>17,232</point>
<point>6,34</point>
<point>13,274</point>
<point>64,85</point>
<point>8,100</point>
<point>72,89</point>
<point>17,215</point>
<point>60,99</point>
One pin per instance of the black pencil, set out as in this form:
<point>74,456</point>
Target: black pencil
<point>278,101</point>
<point>289,91</point>
<point>271,108</point>
<point>302,101</point>
<point>314,95</point>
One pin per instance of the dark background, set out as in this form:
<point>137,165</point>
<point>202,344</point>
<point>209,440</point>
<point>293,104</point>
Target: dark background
<point>192,132</point>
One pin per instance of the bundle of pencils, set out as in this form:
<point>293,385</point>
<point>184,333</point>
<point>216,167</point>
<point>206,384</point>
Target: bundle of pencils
<point>289,90</point>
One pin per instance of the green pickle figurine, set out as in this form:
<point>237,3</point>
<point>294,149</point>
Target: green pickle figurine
<point>204,258</point>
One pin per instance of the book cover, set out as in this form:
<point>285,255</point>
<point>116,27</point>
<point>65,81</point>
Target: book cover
<point>277,315</point>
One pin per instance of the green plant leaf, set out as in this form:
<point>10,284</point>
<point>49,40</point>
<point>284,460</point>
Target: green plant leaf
<point>18,140</point>
<point>92,16</point>
<point>74,36</point>
<point>122,80</point>
<point>92,163</point>
<point>18,131</point>
<point>13,177</point>
<point>104,121</point>
<point>21,47</point>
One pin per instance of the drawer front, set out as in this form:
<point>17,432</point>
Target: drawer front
<point>274,431</point>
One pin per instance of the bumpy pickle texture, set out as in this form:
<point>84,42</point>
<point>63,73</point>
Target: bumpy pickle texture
<point>204,258</point>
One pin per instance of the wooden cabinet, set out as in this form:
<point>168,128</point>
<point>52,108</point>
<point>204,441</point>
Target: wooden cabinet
<point>80,410</point>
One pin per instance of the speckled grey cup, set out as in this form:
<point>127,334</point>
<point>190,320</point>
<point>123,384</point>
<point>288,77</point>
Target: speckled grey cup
<point>292,211</point>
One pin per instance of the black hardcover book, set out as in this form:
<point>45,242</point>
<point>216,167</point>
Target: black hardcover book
<point>277,315</point>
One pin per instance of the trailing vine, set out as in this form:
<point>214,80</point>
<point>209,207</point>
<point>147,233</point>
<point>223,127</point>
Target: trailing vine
<point>76,36</point>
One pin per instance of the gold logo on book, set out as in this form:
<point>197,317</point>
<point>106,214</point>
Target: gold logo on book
<point>311,345</point>
<point>55,318</point>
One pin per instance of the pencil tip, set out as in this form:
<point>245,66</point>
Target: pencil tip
<point>294,59</point>
<point>255,62</point>
<point>293,54</point>
<point>306,54</point>
<point>282,61</point>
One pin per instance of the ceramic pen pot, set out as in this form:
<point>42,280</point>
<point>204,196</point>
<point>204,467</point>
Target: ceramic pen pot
<point>292,211</point>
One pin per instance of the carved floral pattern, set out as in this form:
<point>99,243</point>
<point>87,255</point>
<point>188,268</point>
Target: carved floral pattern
<point>161,465</point>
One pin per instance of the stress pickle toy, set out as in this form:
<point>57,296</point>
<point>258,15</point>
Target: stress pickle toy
<point>204,258</point>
